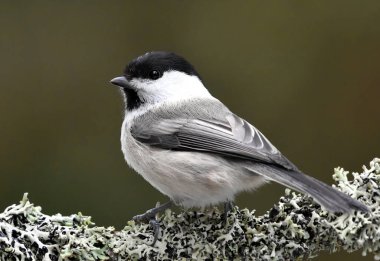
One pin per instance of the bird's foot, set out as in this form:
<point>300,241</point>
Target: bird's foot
<point>150,217</point>
<point>228,206</point>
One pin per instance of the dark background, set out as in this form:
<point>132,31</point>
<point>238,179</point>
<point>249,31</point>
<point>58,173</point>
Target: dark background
<point>305,73</point>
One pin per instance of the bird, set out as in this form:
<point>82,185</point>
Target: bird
<point>188,145</point>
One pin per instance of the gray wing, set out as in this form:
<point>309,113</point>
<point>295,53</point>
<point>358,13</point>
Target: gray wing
<point>232,137</point>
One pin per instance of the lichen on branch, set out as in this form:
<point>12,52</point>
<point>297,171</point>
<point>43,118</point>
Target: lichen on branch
<point>295,227</point>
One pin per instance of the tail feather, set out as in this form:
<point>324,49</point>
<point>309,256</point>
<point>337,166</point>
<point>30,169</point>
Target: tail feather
<point>332,199</point>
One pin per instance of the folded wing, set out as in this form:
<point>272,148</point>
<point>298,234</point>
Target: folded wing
<point>232,137</point>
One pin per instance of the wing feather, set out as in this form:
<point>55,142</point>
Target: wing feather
<point>233,137</point>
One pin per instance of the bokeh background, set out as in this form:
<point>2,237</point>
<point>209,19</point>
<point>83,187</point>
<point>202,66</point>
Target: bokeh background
<point>305,73</point>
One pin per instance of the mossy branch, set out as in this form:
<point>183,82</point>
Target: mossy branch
<point>294,228</point>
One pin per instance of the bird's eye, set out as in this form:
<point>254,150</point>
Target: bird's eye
<point>154,75</point>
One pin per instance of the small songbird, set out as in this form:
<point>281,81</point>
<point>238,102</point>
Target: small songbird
<point>192,148</point>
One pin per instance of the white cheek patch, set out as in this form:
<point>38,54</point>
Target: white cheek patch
<point>172,86</point>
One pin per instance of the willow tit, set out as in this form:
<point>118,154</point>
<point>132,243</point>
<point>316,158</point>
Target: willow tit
<point>192,148</point>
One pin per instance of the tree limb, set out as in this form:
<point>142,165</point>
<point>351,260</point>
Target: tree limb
<point>294,228</point>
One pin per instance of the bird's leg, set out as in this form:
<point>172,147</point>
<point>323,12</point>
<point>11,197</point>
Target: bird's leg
<point>151,213</point>
<point>150,217</point>
<point>228,206</point>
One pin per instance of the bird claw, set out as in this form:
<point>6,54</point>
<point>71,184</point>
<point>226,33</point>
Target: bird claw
<point>150,217</point>
<point>228,206</point>
<point>144,218</point>
<point>156,230</point>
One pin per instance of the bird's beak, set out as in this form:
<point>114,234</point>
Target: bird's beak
<point>120,81</point>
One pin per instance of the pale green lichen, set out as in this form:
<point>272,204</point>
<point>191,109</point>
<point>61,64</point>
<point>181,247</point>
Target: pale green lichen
<point>294,228</point>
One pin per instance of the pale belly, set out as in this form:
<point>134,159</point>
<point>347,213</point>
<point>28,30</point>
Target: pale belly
<point>191,179</point>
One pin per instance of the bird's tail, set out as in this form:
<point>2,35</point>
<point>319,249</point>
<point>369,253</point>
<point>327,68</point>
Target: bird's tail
<point>332,199</point>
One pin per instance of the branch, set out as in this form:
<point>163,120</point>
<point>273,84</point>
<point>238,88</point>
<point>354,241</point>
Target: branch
<point>295,227</point>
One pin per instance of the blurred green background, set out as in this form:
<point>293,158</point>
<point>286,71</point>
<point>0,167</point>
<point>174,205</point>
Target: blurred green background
<point>306,73</point>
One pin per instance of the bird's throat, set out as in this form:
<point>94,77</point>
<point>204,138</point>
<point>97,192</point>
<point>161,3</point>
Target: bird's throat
<point>132,99</point>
